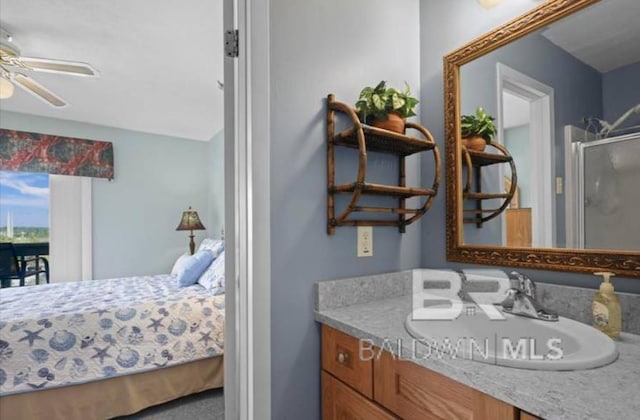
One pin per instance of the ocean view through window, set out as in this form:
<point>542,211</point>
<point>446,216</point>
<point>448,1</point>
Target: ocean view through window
<point>24,207</point>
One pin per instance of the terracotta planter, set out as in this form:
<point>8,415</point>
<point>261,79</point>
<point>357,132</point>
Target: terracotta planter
<point>474,143</point>
<point>394,122</point>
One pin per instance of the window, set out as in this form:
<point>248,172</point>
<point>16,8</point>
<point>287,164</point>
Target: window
<point>38,207</point>
<point>24,207</point>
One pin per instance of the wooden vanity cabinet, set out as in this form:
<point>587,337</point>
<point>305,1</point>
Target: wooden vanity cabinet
<point>341,402</point>
<point>396,388</point>
<point>340,358</point>
<point>413,392</point>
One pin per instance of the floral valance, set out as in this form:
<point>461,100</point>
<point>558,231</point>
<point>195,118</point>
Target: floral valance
<point>33,152</point>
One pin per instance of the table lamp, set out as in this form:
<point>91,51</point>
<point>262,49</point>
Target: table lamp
<point>190,221</point>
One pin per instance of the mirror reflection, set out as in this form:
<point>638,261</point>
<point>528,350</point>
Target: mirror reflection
<point>562,169</point>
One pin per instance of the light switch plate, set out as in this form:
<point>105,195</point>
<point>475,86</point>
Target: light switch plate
<point>365,241</point>
<point>559,185</point>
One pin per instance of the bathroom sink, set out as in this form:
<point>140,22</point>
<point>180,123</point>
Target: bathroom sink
<point>514,341</point>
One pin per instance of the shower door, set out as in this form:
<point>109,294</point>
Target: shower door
<point>609,185</point>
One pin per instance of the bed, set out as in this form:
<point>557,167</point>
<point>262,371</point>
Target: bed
<point>104,348</point>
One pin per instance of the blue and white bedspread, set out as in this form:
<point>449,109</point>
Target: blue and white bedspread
<point>70,333</point>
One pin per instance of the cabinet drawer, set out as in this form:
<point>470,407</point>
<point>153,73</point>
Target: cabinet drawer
<point>341,358</point>
<point>341,402</point>
<point>412,392</point>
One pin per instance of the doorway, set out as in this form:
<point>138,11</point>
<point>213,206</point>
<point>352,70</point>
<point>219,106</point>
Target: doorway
<point>525,127</point>
<point>247,211</point>
<point>246,162</point>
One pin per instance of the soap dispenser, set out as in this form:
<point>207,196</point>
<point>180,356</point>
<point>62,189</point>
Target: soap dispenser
<point>606,307</point>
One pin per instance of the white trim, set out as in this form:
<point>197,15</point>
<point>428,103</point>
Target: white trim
<point>247,216</point>
<point>572,182</point>
<point>501,140</point>
<point>542,129</point>
<point>580,195</point>
<point>260,242</point>
<point>231,359</point>
<point>570,178</point>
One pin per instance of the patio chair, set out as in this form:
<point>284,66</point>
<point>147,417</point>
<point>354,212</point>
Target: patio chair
<point>13,269</point>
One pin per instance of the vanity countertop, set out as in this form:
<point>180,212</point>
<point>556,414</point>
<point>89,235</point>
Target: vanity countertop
<point>609,392</point>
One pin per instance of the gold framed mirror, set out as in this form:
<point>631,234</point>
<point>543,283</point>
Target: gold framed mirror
<point>543,212</point>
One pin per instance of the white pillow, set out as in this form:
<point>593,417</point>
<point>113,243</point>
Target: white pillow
<point>216,246</point>
<point>179,263</point>
<point>213,277</point>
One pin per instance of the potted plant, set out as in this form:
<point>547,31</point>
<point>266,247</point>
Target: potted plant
<point>477,130</point>
<point>386,107</point>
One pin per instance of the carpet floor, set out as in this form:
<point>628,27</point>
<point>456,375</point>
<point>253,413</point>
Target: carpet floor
<point>207,405</point>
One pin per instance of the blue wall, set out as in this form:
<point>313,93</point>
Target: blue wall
<point>135,215</point>
<point>320,47</point>
<point>446,26</point>
<point>621,91</point>
<point>577,93</point>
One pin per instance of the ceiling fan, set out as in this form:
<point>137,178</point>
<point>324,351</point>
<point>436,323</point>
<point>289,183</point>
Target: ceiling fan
<point>13,67</point>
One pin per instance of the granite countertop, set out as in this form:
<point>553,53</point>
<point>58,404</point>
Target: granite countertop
<point>609,392</point>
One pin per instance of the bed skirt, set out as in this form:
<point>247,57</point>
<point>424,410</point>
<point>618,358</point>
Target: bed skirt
<point>117,396</point>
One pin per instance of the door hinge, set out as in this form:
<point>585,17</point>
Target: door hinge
<point>231,41</point>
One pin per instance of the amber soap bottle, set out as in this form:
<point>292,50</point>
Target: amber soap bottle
<point>606,308</point>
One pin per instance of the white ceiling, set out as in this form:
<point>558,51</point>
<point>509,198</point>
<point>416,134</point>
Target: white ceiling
<point>605,36</point>
<point>159,62</point>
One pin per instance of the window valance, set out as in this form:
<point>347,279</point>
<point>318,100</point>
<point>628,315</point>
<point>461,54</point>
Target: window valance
<point>21,151</point>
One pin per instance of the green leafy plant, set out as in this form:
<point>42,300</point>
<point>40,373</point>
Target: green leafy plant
<point>481,124</point>
<point>376,103</point>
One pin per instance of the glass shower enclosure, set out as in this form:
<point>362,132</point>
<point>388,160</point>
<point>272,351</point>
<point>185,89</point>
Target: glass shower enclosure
<point>607,172</point>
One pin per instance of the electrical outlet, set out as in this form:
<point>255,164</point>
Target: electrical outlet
<point>365,241</point>
<point>559,186</point>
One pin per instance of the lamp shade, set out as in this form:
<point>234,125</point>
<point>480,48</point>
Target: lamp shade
<point>190,221</point>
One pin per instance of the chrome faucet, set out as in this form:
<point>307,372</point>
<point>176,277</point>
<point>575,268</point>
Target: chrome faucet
<point>521,300</point>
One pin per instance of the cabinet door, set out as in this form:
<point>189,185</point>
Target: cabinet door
<point>341,358</point>
<point>339,402</point>
<point>518,223</point>
<point>413,392</point>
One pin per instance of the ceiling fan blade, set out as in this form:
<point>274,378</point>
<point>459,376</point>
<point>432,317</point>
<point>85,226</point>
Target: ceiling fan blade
<point>36,89</point>
<point>72,68</point>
